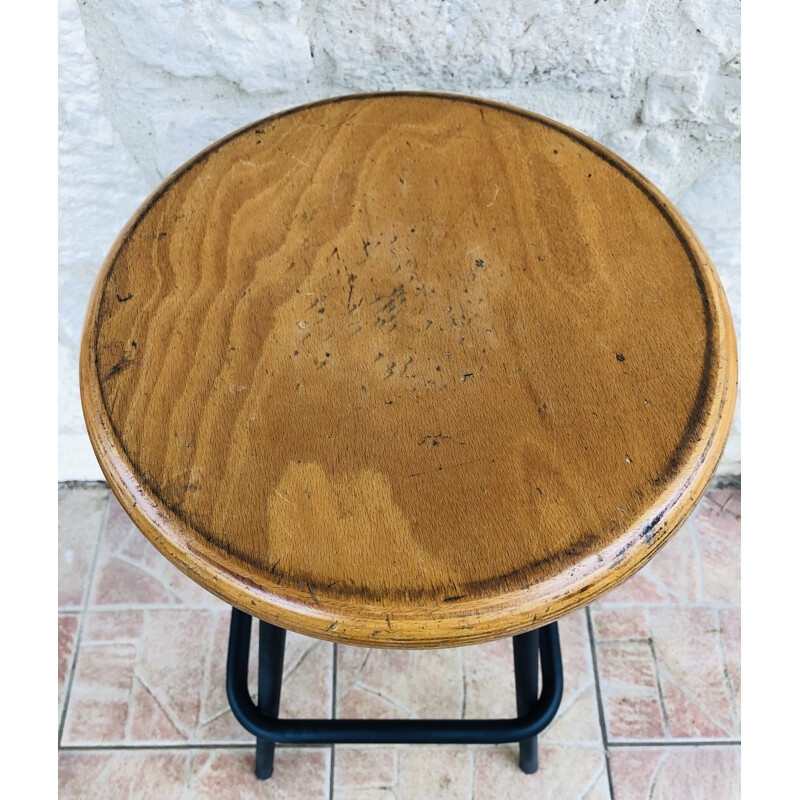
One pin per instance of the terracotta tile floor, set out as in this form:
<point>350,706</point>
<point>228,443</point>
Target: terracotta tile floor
<point>650,709</point>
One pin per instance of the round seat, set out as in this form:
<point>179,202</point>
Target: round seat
<point>408,370</point>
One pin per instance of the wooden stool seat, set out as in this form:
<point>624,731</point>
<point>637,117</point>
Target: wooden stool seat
<point>408,370</point>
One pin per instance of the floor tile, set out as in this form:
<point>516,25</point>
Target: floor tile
<point>67,638</point>
<point>441,772</point>
<point>121,775</point>
<point>577,718</point>
<point>158,675</point>
<point>719,543</point>
<point>733,504</point>
<point>80,517</point>
<point>131,572</point>
<point>664,773</point>
<point>612,623</point>
<point>667,645</point>
<point>697,695</point>
<point>630,692</point>
<point>225,774</point>
<point>395,684</point>
<point>673,683</point>
<point>730,623</point>
<point>403,773</point>
<point>465,682</point>
<point>364,768</point>
<point>565,771</point>
<point>228,775</point>
<point>729,500</point>
<point>489,680</point>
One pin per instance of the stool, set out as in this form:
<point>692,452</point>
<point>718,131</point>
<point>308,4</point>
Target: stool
<point>407,370</point>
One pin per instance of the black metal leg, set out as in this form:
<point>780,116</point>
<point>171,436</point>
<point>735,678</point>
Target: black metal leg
<point>531,650</point>
<point>526,678</point>
<point>271,643</point>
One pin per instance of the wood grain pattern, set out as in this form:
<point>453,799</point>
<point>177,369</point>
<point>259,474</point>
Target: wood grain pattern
<point>408,370</point>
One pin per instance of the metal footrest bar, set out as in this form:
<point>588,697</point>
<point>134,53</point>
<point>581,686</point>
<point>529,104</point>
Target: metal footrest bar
<point>535,713</point>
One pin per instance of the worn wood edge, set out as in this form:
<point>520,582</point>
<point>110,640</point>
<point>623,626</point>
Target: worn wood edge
<point>429,625</point>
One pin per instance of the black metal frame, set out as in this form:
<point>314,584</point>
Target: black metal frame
<point>535,710</point>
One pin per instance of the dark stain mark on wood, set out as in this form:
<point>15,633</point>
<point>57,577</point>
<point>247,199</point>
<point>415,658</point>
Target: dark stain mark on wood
<point>650,528</point>
<point>434,439</point>
<point>124,363</point>
<point>313,595</point>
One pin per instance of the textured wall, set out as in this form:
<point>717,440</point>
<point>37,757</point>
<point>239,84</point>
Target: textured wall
<point>145,84</point>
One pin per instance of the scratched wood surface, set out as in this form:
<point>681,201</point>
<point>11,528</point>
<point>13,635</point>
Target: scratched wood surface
<point>408,370</point>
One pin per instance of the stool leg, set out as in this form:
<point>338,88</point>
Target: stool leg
<point>271,643</point>
<point>526,678</point>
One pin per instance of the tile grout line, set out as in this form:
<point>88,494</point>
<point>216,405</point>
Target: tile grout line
<point>605,605</point>
<point>656,669</point>
<point>463,684</point>
<point>473,763</point>
<point>334,682</point>
<point>82,618</point>
<point>736,715</point>
<point>698,558</point>
<point>599,698</point>
<point>167,746</point>
<point>621,743</point>
<point>205,679</point>
<point>676,743</point>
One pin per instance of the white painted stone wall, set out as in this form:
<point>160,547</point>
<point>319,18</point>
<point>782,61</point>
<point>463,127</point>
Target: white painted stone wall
<point>145,84</point>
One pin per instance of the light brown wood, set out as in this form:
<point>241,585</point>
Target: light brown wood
<point>408,370</point>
